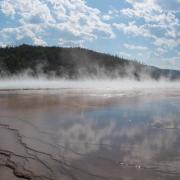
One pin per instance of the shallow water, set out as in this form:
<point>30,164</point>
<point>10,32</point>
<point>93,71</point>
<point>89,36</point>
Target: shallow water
<point>80,134</point>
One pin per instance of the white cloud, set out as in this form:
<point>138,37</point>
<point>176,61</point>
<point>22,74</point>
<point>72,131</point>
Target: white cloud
<point>171,62</point>
<point>151,12</point>
<point>146,9</point>
<point>178,53</point>
<point>169,5</point>
<point>135,47</point>
<point>30,34</point>
<point>160,22</point>
<point>70,43</point>
<point>107,17</point>
<point>55,19</point>
<point>132,29</point>
<point>143,9</point>
<point>7,8</point>
<point>170,43</point>
<point>160,51</point>
<point>124,54</point>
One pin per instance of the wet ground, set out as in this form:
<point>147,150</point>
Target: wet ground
<point>66,134</point>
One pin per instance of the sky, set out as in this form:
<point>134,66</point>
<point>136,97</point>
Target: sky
<point>144,30</point>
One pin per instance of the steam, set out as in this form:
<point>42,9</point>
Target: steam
<point>28,83</point>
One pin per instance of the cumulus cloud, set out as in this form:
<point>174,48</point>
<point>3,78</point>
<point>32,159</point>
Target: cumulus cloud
<point>173,62</point>
<point>150,11</point>
<point>132,29</point>
<point>135,47</point>
<point>171,43</point>
<point>70,43</point>
<point>169,4</point>
<point>54,19</point>
<point>29,34</point>
<point>107,17</point>
<point>160,51</point>
<point>7,8</point>
<point>156,20</point>
<point>142,9</point>
<point>124,55</point>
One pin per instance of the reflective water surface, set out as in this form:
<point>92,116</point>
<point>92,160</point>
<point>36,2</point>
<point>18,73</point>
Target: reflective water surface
<point>90,135</point>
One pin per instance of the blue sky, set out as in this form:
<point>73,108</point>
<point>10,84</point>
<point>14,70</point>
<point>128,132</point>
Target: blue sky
<point>145,30</point>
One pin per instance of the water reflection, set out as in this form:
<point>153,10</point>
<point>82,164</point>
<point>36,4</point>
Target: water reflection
<point>96,137</point>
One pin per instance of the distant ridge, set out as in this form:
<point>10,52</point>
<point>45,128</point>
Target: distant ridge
<point>74,63</point>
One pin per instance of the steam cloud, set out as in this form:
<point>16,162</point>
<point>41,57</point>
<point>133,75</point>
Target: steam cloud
<point>22,83</point>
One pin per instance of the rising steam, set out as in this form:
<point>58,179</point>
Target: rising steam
<point>25,83</point>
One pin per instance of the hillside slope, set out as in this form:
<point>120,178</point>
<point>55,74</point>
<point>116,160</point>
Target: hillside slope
<point>74,63</point>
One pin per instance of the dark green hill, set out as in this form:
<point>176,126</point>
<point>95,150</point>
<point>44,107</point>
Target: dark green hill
<point>74,63</point>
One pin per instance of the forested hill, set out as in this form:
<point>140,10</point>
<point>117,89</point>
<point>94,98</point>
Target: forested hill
<point>74,63</point>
